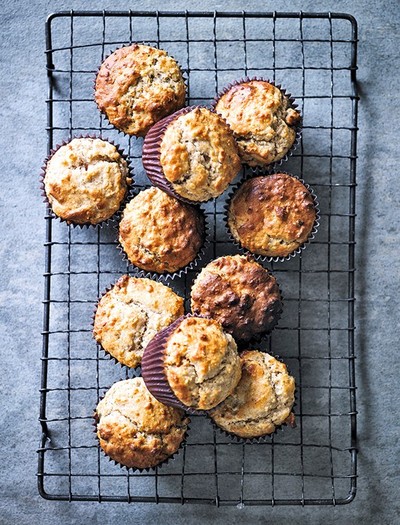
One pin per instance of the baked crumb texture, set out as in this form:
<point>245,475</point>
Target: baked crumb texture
<point>159,233</point>
<point>130,314</point>
<point>138,85</point>
<point>86,180</point>
<point>272,215</point>
<point>261,402</point>
<point>239,293</point>
<point>136,430</point>
<point>262,118</point>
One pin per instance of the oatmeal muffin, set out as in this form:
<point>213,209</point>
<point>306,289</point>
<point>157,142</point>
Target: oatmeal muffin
<point>159,233</point>
<point>192,364</point>
<point>138,85</point>
<point>272,215</point>
<point>261,402</point>
<point>136,430</point>
<point>191,154</point>
<point>86,180</point>
<point>239,293</point>
<point>130,314</point>
<point>263,119</point>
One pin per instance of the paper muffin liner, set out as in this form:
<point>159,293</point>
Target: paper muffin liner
<point>142,42</point>
<point>298,128</point>
<point>164,277</point>
<point>152,152</point>
<point>100,346</point>
<point>137,469</point>
<point>241,343</point>
<point>265,438</point>
<point>117,214</point>
<point>267,258</point>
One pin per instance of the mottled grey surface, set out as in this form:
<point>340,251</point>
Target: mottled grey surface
<point>23,91</point>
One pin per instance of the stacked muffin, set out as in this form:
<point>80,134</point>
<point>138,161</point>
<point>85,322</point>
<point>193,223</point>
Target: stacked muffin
<point>189,363</point>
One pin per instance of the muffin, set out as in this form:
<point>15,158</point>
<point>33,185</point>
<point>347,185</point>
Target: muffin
<point>130,314</point>
<point>136,430</point>
<point>86,180</point>
<point>192,364</point>
<point>261,402</point>
<point>272,215</point>
<point>263,119</point>
<point>159,233</point>
<point>191,155</point>
<point>239,293</point>
<point>138,85</point>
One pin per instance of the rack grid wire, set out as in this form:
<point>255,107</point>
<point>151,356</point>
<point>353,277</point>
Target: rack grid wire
<point>314,57</point>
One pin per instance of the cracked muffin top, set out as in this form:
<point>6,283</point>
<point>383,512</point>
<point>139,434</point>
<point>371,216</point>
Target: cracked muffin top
<point>198,155</point>
<point>130,314</point>
<point>136,430</point>
<point>201,362</point>
<point>137,86</point>
<point>239,293</point>
<point>262,400</point>
<point>262,118</point>
<point>86,180</point>
<point>272,215</point>
<point>159,233</point>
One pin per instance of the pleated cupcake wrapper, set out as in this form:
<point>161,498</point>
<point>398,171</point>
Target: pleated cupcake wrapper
<point>97,72</point>
<point>267,258</point>
<point>164,277</point>
<point>137,469</point>
<point>260,169</point>
<point>262,335</point>
<point>116,215</point>
<point>153,368</point>
<point>152,153</point>
<point>106,352</point>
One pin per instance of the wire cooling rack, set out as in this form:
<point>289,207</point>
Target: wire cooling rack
<point>314,57</point>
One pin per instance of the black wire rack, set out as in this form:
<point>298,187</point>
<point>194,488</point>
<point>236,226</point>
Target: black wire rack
<point>314,57</point>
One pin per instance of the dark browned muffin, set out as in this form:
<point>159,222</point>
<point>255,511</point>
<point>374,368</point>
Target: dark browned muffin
<point>239,293</point>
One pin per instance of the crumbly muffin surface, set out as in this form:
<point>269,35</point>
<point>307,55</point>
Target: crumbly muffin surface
<point>137,86</point>
<point>135,429</point>
<point>86,180</point>
<point>262,400</point>
<point>272,215</point>
<point>239,293</point>
<point>262,119</point>
<point>160,233</point>
<point>201,363</point>
<point>130,314</point>
<point>198,155</point>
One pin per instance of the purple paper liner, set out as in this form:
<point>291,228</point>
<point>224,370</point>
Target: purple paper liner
<point>164,277</point>
<point>267,258</point>
<point>241,343</point>
<point>97,72</point>
<point>137,469</point>
<point>298,128</point>
<point>106,352</point>
<point>266,437</point>
<point>129,184</point>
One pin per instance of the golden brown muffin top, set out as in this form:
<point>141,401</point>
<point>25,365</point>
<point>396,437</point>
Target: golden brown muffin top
<point>262,119</point>
<point>198,155</point>
<point>86,180</point>
<point>130,314</point>
<point>135,429</point>
<point>137,86</point>
<point>272,215</point>
<point>159,233</point>
<point>239,293</point>
<point>262,400</point>
<point>201,363</point>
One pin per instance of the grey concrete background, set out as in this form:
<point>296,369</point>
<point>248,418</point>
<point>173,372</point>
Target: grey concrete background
<point>23,145</point>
